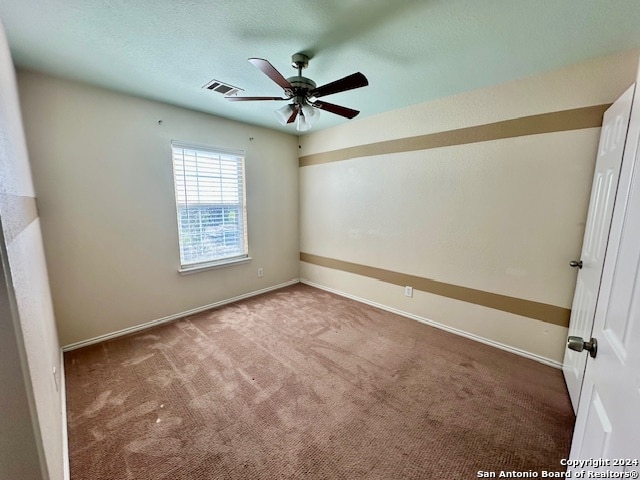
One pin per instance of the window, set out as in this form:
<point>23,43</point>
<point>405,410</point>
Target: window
<point>210,202</point>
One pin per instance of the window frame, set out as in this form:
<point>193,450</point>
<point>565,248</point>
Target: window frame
<point>198,266</point>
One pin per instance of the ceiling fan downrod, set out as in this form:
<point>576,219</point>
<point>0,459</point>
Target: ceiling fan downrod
<point>301,85</point>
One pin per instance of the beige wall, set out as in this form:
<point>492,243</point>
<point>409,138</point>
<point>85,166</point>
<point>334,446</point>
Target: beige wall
<point>494,220</point>
<point>499,217</point>
<point>102,171</point>
<point>31,429</point>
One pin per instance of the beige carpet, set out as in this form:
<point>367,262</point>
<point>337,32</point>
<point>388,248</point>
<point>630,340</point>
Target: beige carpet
<point>303,384</point>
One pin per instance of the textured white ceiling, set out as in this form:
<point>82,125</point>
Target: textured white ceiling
<point>410,50</point>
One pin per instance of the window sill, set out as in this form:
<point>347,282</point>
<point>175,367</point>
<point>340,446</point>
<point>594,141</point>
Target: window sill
<point>213,265</point>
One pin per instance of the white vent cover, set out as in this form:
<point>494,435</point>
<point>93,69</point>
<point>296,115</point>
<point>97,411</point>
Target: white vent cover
<point>221,87</point>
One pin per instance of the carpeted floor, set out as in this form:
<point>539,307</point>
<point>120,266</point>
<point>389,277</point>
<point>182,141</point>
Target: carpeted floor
<point>303,384</point>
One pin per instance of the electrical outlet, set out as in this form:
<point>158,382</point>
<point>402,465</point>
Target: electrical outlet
<point>260,272</point>
<point>408,291</point>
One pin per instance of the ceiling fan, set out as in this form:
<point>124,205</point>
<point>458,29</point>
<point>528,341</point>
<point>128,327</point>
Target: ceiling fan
<point>304,94</point>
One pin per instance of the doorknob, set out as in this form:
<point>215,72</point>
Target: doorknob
<point>578,344</point>
<point>575,263</point>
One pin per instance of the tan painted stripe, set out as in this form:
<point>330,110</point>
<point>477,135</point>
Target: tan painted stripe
<point>526,308</point>
<point>17,214</point>
<point>575,119</point>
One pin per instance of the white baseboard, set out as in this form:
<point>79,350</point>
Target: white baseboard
<point>427,321</point>
<point>176,316</point>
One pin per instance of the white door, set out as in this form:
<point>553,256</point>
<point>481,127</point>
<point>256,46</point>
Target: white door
<point>608,421</point>
<point>603,191</point>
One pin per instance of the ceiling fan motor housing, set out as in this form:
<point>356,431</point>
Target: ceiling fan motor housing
<point>301,85</point>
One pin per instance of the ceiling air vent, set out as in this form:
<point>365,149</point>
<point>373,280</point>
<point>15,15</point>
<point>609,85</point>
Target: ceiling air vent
<point>222,88</point>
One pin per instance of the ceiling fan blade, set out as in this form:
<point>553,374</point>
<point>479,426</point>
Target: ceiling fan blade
<point>355,80</point>
<point>293,116</point>
<point>337,109</point>
<point>270,71</point>
<point>247,99</point>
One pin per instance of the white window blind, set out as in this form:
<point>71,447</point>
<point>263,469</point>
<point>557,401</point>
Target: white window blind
<point>210,202</point>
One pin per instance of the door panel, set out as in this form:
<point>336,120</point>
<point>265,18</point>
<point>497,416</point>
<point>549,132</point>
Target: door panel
<point>608,420</point>
<point>608,423</point>
<point>597,422</point>
<point>603,192</point>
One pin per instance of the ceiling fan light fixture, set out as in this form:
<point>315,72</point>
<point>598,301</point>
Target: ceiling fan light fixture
<point>283,113</point>
<point>310,113</point>
<point>301,124</point>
